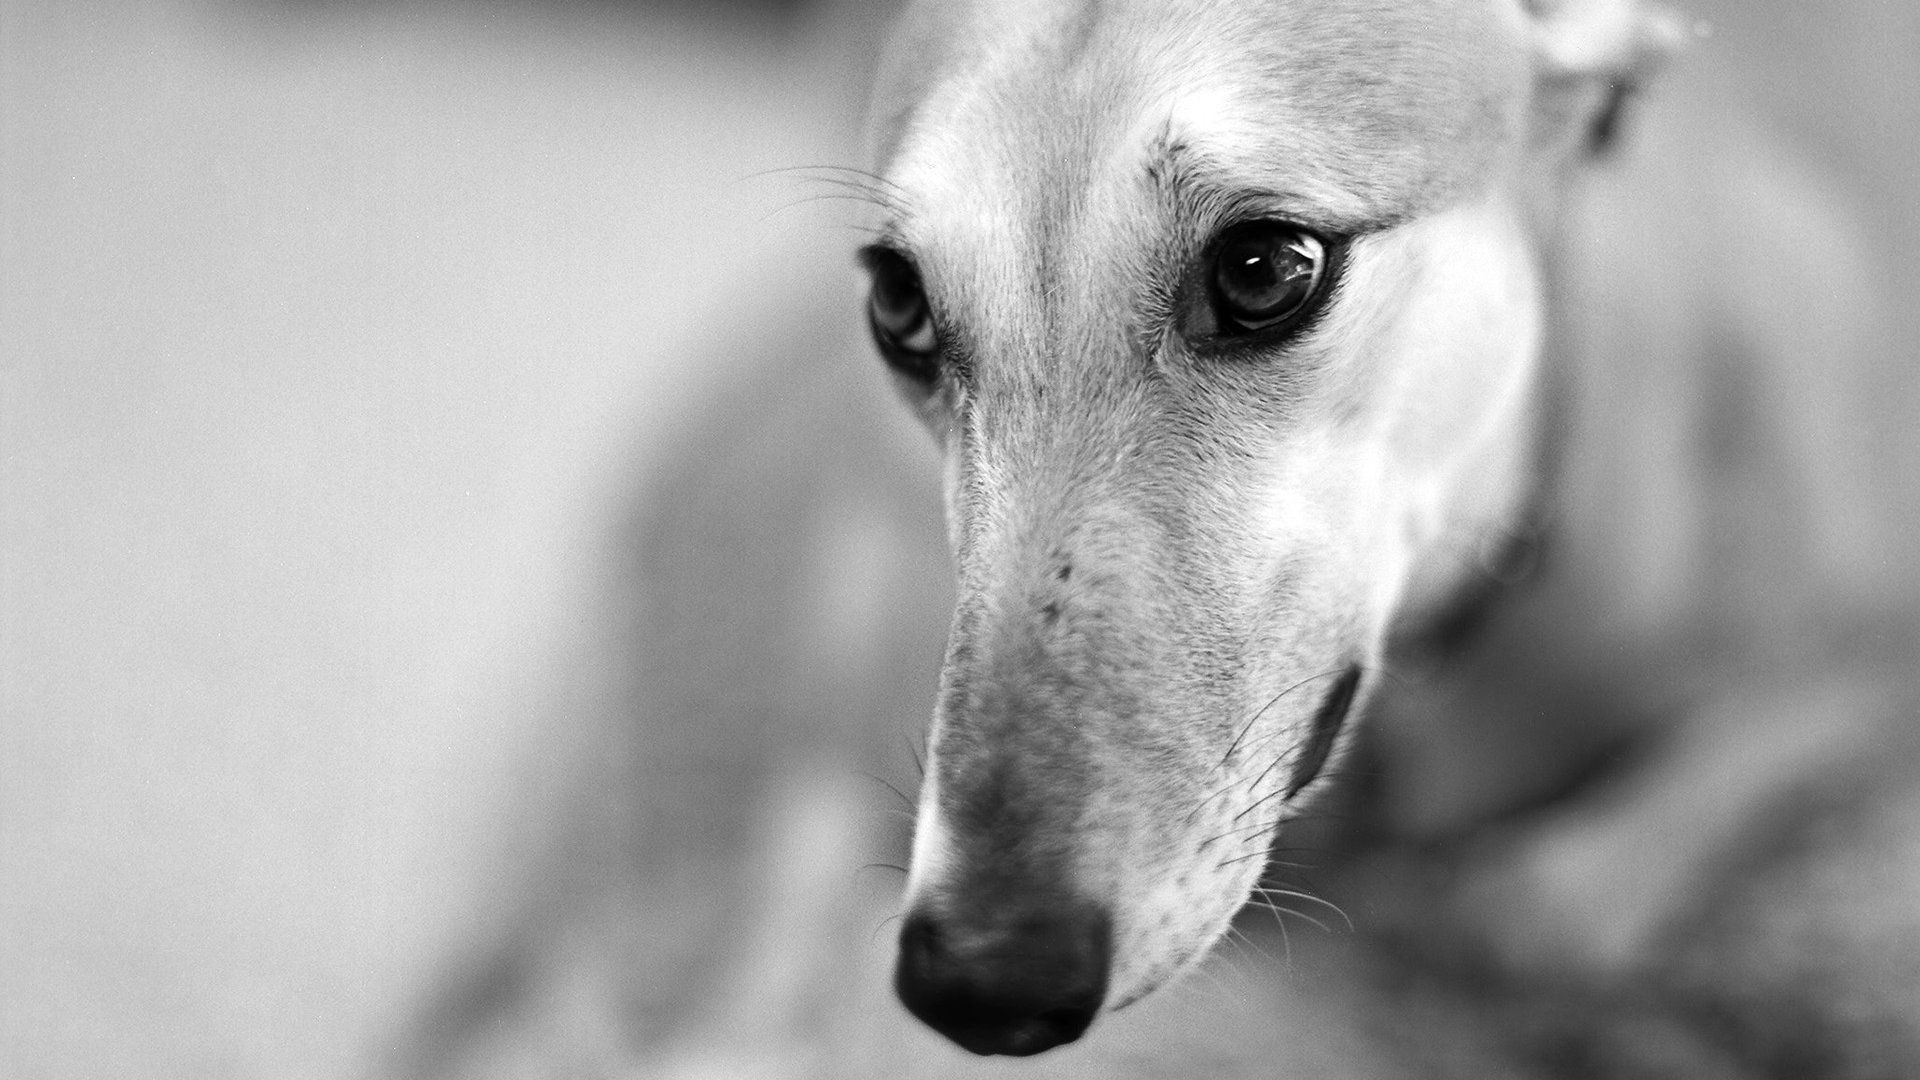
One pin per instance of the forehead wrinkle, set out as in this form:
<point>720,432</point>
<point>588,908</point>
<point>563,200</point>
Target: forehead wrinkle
<point>948,54</point>
<point>1372,110</point>
<point>1202,190</point>
<point>1405,106</point>
<point>998,211</point>
<point>1375,95</point>
<point>968,229</point>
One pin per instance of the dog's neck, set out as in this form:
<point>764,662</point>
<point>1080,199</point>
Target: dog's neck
<point>1504,517</point>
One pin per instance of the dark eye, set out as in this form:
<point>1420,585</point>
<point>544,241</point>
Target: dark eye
<point>898,315</point>
<point>1265,274</point>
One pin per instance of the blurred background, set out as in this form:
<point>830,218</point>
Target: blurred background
<point>465,591</point>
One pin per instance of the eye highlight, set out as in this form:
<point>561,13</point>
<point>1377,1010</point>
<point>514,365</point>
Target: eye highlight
<point>1265,276</point>
<point>899,315</point>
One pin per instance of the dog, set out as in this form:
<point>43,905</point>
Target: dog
<point>1371,391</point>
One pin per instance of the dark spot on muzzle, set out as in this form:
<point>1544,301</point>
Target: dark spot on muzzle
<point>1326,726</point>
<point>1009,977</point>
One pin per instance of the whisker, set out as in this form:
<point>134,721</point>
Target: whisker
<point>1244,728</point>
<point>1202,977</point>
<point>1239,937</point>
<point>867,187</point>
<point>1286,940</point>
<point>1257,803</point>
<point>883,925</point>
<point>1202,804</point>
<point>847,170</point>
<point>883,782</point>
<point>864,192</point>
<point>1283,874</point>
<point>919,763</point>
<point>1254,784</point>
<point>1277,732</point>
<point>872,866</point>
<point>1322,815</point>
<point>1279,909</point>
<point>1269,893</point>
<point>1250,829</point>
<point>808,200</point>
<point>1254,829</point>
<point>1269,850</point>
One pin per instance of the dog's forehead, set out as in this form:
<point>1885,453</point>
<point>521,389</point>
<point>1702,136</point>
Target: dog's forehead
<point>1370,109</point>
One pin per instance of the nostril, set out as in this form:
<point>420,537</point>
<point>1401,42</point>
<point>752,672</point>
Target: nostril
<point>1006,982</point>
<point>918,949</point>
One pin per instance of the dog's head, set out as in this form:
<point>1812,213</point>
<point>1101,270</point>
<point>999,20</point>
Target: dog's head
<point>1225,315</point>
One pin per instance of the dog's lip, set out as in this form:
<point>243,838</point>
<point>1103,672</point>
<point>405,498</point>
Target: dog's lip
<point>1328,721</point>
<point>1162,974</point>
<point>1116,1002</point>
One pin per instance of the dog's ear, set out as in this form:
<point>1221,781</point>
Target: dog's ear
<point>1611,40</point>
<point>1590,56</point>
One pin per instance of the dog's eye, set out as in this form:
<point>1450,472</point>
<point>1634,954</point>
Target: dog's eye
<point>1265,274</point>
<point>899,316</point>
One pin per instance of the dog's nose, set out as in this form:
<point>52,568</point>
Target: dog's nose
<point>1005,981</point>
